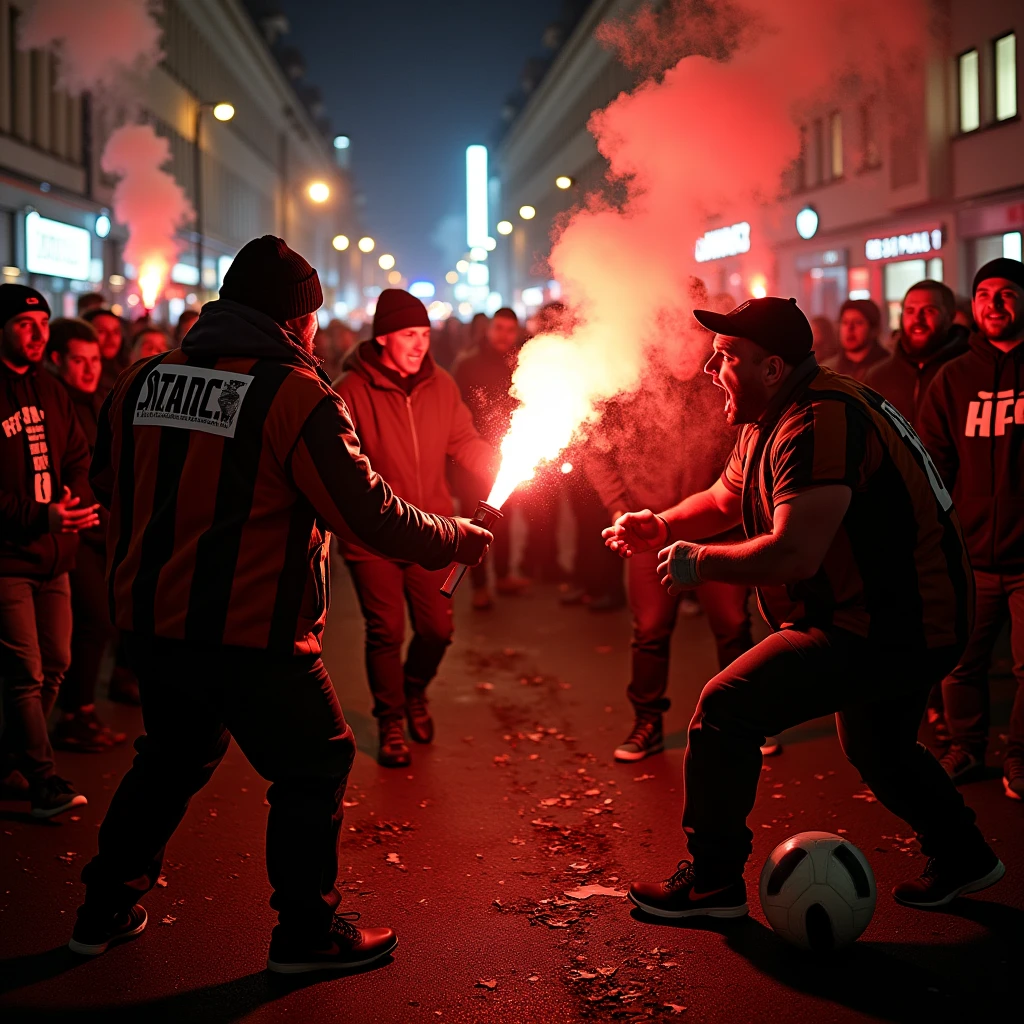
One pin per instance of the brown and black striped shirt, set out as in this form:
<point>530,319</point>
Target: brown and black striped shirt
<point>225,467</point>
<point>897,572</point>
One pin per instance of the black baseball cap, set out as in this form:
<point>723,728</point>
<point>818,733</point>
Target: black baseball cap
<point>777,325</point>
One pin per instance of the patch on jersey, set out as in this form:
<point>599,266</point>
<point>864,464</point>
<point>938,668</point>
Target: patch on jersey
<point>193,398</point>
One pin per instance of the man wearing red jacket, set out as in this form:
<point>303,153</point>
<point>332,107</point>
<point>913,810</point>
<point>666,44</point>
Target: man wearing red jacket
<point>226,464</point>
<point>410,417</point>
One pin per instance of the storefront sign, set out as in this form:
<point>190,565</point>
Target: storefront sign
<point>722,242</point>
<point>56,249</point>
<point>895,246</point>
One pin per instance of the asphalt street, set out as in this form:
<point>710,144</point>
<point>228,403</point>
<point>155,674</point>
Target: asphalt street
<point>470,853</point>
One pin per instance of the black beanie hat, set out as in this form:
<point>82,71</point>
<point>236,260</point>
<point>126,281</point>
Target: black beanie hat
<point>19,298</point>
<point>274,279</point>
<point>1010,270</point>
<point>396,310</point>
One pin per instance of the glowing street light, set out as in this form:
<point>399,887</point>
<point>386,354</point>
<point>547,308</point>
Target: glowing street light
<point>462,266</point>
<point>478,253</point>
<point>395,277</point>
<point>366,244</point>
<point>319,192</point>
<point>504,227</point>
<point>563,181</point>
<point>386,261</point>
<point>223,111</point>
<point>342,142</point>
<point>527,212</point>
<point>452,277</point>
<point>340,242</point>
<point>490,244</point>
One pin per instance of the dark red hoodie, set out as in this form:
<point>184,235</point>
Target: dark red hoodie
<point>972,423</point>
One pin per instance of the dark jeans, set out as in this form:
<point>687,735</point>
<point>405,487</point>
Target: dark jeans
<point>285,717</point>
<point>965,691</point>
<point>655,612</point>
<point>796,675</point>
<point>35,648</point>
<point>384,589</point>
<point>91,631</point>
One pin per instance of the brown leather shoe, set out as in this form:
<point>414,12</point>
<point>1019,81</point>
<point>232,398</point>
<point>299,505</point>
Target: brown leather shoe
<point>394,751</point>
<point>421,725</point>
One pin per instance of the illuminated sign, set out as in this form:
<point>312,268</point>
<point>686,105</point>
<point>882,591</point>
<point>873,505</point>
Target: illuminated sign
<point>422,289</point>
<point>56,249</point>
<point>807,222</point>
<point>915,244</point>
<point>476,195</point>
<point>722,242</point>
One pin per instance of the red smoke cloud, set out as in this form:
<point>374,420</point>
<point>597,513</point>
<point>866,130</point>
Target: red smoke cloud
<point>708,135</point>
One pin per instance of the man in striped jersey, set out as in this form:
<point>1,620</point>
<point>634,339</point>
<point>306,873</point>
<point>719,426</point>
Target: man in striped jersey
<point>226,465</point>
<point>861,571</point>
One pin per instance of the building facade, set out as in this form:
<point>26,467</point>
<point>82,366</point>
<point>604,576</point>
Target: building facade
<point>874,204</point>
<point>56,229</point>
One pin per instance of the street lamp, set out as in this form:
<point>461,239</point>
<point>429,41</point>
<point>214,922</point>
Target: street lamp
<point>340,242</point>
<point>504,227</point>
<point>386,261</point>
<point>319,192</point>
<point>527,212</point>
<point>366,244</point>
<point>563,181</point>
<point>222,112</point>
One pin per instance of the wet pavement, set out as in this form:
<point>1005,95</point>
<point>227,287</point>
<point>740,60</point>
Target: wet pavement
<point>471,853</point>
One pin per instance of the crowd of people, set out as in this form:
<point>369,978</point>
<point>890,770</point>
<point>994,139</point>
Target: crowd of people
<point>836,504</point>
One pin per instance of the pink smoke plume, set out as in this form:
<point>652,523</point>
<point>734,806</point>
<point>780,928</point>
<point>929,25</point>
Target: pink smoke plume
<point>706,137</point>
<point>98,41</point>
<point>149,201</point>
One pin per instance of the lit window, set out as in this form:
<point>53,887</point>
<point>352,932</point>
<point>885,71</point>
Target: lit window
<point>835,132</point>
<point>1006,77</point>
<point>1012,246</point>
<point>970,105</point>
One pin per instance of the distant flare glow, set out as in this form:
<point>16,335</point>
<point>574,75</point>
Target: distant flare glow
<point>319,192</point>
<point>386,261</point>
<point>340,242</point>
<point>152,275</point>
<point>563,181</point>
<point>223,111</point>
<point>504,227</point>
<point>366,244</point>
<point>758,286</point>
<point>527,213</point>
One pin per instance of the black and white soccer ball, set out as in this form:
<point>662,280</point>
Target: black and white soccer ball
<point>818,891</point>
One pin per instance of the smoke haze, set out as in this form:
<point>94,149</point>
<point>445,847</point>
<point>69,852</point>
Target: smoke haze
<point>708,137</point>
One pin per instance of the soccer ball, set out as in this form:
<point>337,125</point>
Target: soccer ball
<point>817,891</point>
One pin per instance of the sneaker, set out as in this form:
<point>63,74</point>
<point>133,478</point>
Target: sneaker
<point>678,896</point>
<point>1013,777</point>
<point>346,947</point>
<point>945,878</point>
<point>960,764</point>
<point>82,731</point>
<point>771,747</point>
<point>54,796</point>
<point>124,687</point>
<point>394,751</point>
<point>482,600</point>
<point>91,938</point>
<point>645,739</point>
<point>421,725</point>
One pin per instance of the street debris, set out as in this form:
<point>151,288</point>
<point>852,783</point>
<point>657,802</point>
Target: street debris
<point>584,892</point>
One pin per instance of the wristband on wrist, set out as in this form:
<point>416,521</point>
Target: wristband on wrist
<point>664,522</point>
<point>684,565</point>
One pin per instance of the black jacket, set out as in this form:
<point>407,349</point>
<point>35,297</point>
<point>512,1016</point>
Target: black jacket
<point>904,377</point>
<point>36,413</point>
<point>858,371</point>
<point>484,378</point>
<point>972,423</point>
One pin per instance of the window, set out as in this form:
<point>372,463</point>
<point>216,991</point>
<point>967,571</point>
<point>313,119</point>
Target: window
<point>1012,245</point>
<point>818,153</point>
<point>835,134</point>
<point>1006,77</point>
<point>970,104</point>
<point>869,152</point>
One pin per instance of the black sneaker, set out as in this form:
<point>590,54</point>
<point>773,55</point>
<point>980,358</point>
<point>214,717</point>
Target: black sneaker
<point>421,725</point>
<point>1013,777</point>
<point>91,938</point>
<point>944,878</point>
<point>54,796</point>
<point>393,751</point>
<point>346,947</point>
<point>960,764</point>
<point>645,739</point>
<point>678,897</point>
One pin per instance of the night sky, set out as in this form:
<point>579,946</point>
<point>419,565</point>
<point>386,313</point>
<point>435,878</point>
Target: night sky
<point>413,83</point>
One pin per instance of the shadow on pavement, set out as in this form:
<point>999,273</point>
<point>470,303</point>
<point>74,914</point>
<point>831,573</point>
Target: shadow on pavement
<point>888,981</point>
<point>229,1001</point>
